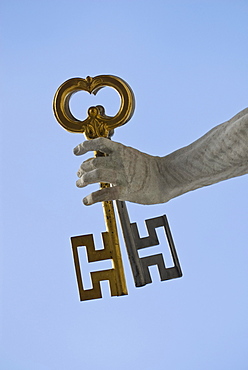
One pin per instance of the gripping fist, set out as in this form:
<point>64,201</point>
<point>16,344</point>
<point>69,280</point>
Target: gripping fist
<point>134,175</point>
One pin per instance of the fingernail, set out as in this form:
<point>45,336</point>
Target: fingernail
<point>79,183</point>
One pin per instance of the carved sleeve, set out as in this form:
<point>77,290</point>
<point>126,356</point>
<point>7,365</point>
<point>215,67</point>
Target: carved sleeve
<point>220,154</point>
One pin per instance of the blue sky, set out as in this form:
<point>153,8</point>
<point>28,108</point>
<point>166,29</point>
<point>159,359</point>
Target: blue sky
<point>186,62</point>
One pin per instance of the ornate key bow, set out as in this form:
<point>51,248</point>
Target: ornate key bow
<point>98,124</point>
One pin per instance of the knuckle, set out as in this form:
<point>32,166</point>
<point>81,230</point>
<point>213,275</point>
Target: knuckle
<point>101,139</point>
<point>86,146</point>
<point>94,163</point>
<point>86,142</point>
<point>103,143</point>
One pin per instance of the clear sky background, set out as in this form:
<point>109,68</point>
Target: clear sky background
<point>187,63</point>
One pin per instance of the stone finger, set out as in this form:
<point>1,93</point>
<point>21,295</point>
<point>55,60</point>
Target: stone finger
<point>99,144</point>
<point>102,195</point>
<point>97,175</point>
<point>108,162</point>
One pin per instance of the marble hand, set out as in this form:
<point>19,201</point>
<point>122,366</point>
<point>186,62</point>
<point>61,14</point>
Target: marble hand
<point>134,175</point>
<point>220,154</point>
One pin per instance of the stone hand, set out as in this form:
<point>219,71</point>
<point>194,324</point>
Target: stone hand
<point>222,153</point>
<point>134,175</point>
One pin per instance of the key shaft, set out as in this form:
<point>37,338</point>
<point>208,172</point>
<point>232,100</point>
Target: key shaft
<point>97,124</point>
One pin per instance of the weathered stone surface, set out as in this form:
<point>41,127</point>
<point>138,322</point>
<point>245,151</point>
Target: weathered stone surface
<point>137,177</point>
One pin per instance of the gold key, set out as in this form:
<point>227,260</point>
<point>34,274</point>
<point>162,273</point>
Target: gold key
<point>97,124</point>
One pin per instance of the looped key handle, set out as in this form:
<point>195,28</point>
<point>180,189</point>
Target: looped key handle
<point>97,123</point>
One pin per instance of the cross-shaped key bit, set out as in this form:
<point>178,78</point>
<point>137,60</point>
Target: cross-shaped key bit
<point>97,124</point>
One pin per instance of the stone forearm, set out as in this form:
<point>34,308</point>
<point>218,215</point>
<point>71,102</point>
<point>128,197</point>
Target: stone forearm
<point>219,155</point>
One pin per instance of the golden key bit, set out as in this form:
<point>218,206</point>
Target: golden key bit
<point>95,125</point>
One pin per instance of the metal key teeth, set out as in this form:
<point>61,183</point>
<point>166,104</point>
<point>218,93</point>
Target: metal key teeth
<point>112,275</point>
<point>165,273</point>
